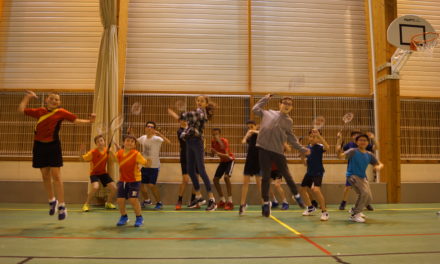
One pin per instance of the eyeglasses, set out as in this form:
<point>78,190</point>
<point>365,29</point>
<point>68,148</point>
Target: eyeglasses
<point>150,126</point>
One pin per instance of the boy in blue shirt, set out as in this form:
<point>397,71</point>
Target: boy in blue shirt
<point>315,173</point>
<point>358,160</point>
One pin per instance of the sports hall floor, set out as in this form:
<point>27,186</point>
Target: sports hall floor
<point>393,233</point>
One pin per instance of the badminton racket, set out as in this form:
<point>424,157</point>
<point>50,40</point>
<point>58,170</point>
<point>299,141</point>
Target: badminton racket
<point>318,122</point>
<point>346,119</point>
<point>136,108</point>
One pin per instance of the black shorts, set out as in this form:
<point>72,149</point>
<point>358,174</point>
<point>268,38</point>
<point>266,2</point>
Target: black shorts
<point>128,190</point>
<point>310,180</point>
<point>47,154</point>
<point>103,178</point>
<point>252,165</point>
<point>275,175</point>
<point>183,162</point>
<point>224,168</point>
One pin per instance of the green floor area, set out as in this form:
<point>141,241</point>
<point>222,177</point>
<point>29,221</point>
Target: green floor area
<point>394,233</point>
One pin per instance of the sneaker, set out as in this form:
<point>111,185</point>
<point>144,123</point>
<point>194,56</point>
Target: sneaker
<point>139,221</point>
<point>229,206</point>
<point>221,205</point>
<point>179,205</point>
<point>158,206</point>
<point>85,208</point>
<point>284,206</point>
<point>370,208</point>
<point>62,212</point>
<point>211,205</point>
<point>324,216</point>
<point>438,213</point>
<point>122,221</point>
<point>309,211</point>
<point>274,205</point>
<point>299,201</point>
<point>145,203</point>
<point>196,203</point>
<point>315,203</point>
<point>242,209</point>
<point>109,205</point>
<point>357,218</point>
<point>265,209</point>
<point>53,207</point>
<point>342,205</point>
<point>360,214</point>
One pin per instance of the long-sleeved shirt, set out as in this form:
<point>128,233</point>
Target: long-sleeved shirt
<point>275,129</point>
<point>196,123</point>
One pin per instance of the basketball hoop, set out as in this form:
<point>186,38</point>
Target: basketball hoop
<point>425,42</point>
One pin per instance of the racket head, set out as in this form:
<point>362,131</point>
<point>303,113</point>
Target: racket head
<point>348,117</point>
<point>136,108</point>
<point>180,105</point>
<point>318,122</point>
<point>116,123</point>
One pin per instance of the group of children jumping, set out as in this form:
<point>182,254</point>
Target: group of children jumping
<point>265,160</point>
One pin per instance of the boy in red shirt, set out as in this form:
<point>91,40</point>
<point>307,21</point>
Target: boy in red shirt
<point>129,182</point>
<point>98,173</point>
<point>47,154</point>
<point>220,147</point>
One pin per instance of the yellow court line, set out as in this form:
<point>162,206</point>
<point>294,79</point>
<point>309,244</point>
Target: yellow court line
<point>285,225</point>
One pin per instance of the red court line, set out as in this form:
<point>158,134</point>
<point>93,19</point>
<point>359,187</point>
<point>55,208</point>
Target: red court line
<point>328,253</point>
<point>221,238</point>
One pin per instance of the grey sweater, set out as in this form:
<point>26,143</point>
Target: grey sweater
<point>275,129</point>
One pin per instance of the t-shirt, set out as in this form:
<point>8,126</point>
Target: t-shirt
<point>225,149</point>
<point>314,160</point>
<point>150,148</point>
<point>128,165</point>
<point>49,122</point>
<point>358,162</point>
<point>98,161</point>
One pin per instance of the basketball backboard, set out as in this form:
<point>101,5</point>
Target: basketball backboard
<point>403,28</point>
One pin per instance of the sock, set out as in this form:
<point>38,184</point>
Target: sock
<point>310,207</point>
<point>274,200</point>
<point>62,204</point>
<point>222,199</point>
<point>52,200</point>
<point>198,197</point>
<point>230,199</point>
<point>193,196</point>
<point>266,202</point>
<point>284,200</point>
<point>180,198</point>
<point>297,196</point>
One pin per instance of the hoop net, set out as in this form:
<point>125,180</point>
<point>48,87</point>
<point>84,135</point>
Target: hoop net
<point>425,42</point>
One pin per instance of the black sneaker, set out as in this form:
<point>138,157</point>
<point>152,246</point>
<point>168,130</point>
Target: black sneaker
<point>370,208</point>
<point>265,209</point>
<point>315,203</point>
<point>242,209</point>
<point>62,212</point>
<point>342,205</point>
<point>299,201</point>
<point>196,203</point>
<point>211,205</point>
<point>53,207</point>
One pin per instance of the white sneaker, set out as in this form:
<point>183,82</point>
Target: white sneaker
<point>357,218</point>
<point>360,214</point>
<point>309,211</point>
<point>324,216</point>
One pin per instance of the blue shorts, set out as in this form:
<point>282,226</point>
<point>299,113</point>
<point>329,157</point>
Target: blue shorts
<point>149,175</point>
<point>103,178</point>
<point>128,190</point>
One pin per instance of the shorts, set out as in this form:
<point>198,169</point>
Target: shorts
<point>310,180</point>
<point>128,190</point>
<point>149,175</point>
<point>47,154</point>
<point>275,175</point>
<point>252,165</point>
<point>103,178</point>
<point>224,168</point>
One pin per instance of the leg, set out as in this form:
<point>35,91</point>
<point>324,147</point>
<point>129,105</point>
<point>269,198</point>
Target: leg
<point>93,190</point>
<point>279,189</point>
<point>136,206</point>
<point>305,195</point>
<point>155,191</point>
<point>144,191</point>
<point>318,194</point>
<point>58,185</point>
<point>228,185</point>
<point>281,163</point>
<point>244,189</point>
<point>218,187</point>
<point>47,181</point>
<point>121,205</point>
<point>112,189</point>
<point>265,165</point>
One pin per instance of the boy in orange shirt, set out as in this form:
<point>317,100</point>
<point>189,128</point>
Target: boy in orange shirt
<point>129,182</point>
<point>98,173</point>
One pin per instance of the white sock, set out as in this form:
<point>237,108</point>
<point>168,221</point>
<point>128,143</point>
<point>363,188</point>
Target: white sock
<point>222,199</point>
<point>62,204</point>
<point>285,200</point>
<point>297,195</point>
<point>230,199</point>
<point>52,200</point>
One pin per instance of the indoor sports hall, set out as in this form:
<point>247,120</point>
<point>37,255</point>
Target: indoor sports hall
<point>109,67</point>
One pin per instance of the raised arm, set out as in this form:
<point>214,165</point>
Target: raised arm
<point>165,139</point>
<point>293,141</point>
<point>173,114</point>
<point>82,121</point>
<point>321,139</point>
<point>258,107</point>
<point>24,102</point>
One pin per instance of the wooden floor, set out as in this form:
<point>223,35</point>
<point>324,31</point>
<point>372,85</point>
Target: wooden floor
<point>393,233</point>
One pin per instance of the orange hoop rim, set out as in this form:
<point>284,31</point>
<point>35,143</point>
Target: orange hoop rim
<point>416,43</point>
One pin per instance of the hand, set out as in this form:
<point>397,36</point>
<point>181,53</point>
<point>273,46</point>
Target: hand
<point>92,118</point>
<point>339,135</point>
<point>268,95</point>
<point>129,130</point>
<point>82,148</point>
<point>31,94</point>
<point>370,135</point>
<point>307,153</point>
